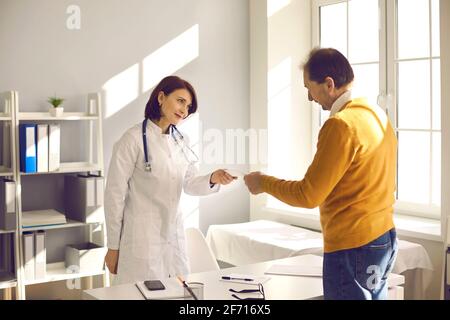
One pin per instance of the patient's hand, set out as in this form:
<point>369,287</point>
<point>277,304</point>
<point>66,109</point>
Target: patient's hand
<point>253,182</point>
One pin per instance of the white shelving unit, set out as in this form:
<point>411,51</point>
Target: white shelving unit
<point>9,280</point>
<point>69,167</point>
<point>68,116</point>
<point>56,271</point>
<point>4,172</point>
<point>68,224</point>
<point>6,231</point>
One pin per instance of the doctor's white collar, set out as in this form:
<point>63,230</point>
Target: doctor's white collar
<point>154,127</point>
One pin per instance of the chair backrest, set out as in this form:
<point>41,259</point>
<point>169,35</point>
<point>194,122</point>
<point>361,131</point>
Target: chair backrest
<point>201,258</point>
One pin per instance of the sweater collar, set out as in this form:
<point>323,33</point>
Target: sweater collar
<point>340,102</point>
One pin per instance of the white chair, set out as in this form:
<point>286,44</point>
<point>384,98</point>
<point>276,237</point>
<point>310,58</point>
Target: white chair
<point>200,256</point>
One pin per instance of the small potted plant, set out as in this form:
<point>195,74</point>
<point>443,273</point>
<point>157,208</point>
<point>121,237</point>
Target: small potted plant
<point>56,110</point>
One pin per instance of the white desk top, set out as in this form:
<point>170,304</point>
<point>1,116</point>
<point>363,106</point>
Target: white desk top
<point>279,287</point>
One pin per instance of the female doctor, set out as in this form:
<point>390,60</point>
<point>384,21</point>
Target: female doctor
<point>150,165</point>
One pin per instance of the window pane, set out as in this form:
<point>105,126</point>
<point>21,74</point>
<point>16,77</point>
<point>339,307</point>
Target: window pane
<point>435,36</point>
<point>437,94</point>
<point>436,177</point>
<point>413,29</point>
<point>333,27</point>
<point>366,82</point>
<point>414,167</point>
<point>363,31</point>
<point>324,115</point>
<point>414,95</point>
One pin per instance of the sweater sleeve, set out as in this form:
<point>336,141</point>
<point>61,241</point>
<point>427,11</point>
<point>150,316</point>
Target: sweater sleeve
<point>335,152</point>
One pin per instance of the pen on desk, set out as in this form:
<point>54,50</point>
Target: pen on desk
<point>187,288</point>
<point>231,278</point>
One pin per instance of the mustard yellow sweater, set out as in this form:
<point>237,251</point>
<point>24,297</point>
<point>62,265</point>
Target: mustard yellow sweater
<point>352,177</point>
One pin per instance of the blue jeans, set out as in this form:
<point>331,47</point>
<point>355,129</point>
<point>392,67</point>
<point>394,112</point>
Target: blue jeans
<point>360,273</point>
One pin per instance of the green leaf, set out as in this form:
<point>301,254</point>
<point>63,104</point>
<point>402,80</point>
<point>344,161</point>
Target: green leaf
<point>55,101</point>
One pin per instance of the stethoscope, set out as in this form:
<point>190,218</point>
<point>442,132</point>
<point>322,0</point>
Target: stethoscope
<point>177,137</point>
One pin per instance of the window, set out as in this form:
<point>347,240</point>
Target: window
<point>416,107</point>
<point>393,47</point>
<point>352,28</point>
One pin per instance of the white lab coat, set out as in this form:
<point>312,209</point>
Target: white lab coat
<point>141,208</point>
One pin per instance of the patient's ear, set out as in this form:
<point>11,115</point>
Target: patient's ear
<point>329,83</point>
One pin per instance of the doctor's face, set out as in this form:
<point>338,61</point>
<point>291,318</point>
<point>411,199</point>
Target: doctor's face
<point>175,106</point>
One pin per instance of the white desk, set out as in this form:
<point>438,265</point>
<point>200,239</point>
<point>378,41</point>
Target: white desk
<point>262,240</point>
<point>279,287</point>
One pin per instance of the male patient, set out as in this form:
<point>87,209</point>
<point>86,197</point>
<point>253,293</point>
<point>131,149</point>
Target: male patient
<point>351,178</point>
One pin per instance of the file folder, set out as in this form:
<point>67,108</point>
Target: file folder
<point>28,255</point>
<point>7,204</point>
<point>54,144</point>
<point>28,152</point>
<point>6,146</point>
<point>83,198</point>
<point>6,255</point>
<point>42,148</point>
<point>40,260</point>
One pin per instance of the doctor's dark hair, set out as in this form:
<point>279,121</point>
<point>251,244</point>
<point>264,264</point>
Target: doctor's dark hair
<point>329,62</point>
<point>168,85</point>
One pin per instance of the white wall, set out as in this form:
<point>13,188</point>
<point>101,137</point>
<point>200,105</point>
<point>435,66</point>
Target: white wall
<point>280,42</point>
<point>111,52</point>
<point>40,56</point>
<point>258,84</point>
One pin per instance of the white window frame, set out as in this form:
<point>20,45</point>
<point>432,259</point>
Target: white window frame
<point>316,4</point>
<point>387,84</point>
<point>402,207</point>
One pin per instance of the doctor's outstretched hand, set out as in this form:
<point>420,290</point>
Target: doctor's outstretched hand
<point>253,182</point>
<point>221,177</point>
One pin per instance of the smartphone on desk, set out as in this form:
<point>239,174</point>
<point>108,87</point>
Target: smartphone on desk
<point>154,285</point>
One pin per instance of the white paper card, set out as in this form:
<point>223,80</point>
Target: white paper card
<point>236,173</point>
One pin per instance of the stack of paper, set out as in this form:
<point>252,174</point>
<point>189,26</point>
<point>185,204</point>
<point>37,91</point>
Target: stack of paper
<point>42,218</point>
<point>295,270</point>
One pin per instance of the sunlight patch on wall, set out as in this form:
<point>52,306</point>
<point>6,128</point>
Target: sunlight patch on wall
<point>171,57</point>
